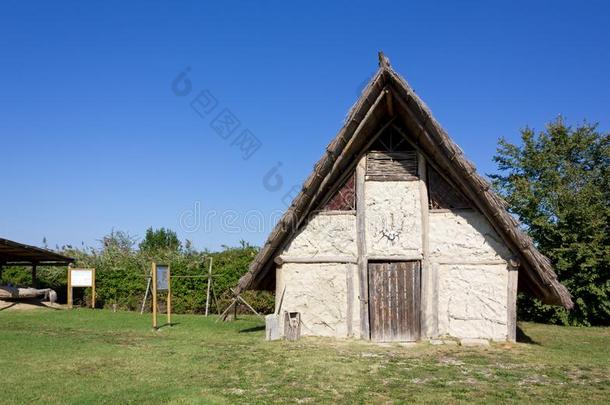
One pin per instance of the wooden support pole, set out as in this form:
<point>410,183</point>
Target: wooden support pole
<point>513,275</point>
<point>248,305</point>
<point>70,287</point>
<point>207,299</point>
<point>169,296</point>
<point>390,104</point>
<point>429,307</point>
<point>218,310</point>
<point>93,288</point>
<point>363,295</point>
<point>145,294</point>
<point>226,311</point>
<point>349,314</point>
<point>34,278</point>
<point>154,295</point>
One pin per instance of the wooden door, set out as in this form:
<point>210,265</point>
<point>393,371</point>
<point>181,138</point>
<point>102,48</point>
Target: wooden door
<point>394,301</point>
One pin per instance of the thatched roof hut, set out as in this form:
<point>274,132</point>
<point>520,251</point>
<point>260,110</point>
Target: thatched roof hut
<point>448,183</point>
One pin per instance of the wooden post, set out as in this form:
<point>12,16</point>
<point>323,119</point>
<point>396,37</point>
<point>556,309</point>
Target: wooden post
<point>513,274</point>
<point>145,294</point>
<point>350,299</point>
<point>70,287</point>
<point>154,295</point>
<point>224,315</point>
<point>243,301</point>
<point>34,281</point>
<point>169,296</point>
<point>429,296</point>
<point>365,332</point>
<point>93,288</point>
<point>218,310</point>
<point>207,299</point>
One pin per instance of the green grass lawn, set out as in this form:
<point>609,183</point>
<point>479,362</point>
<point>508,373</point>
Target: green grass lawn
<point>86,356</point>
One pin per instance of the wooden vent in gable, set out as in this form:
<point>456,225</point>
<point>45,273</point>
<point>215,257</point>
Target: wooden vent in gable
<point>391,166</point>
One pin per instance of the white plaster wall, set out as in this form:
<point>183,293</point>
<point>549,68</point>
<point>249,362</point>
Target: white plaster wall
<point>464,236</point>
<point>472,301</point>
<point>325,235</point>
<point>319,293</point>
<point>392,218</point>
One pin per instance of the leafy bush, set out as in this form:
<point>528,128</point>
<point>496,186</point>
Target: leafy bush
<point>122,272</point>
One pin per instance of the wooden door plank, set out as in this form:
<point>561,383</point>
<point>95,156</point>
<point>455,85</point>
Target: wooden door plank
<point>372,301</point>
<point>384,298</point>
<point>409,300</point>
<point>391,302</point>
<point>416,301</point>
<point>402,308</point>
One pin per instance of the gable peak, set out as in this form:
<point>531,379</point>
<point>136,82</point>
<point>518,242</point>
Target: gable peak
<point>384,62</point>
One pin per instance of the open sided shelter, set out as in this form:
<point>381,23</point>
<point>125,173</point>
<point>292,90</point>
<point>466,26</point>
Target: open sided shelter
<point>18,254</point>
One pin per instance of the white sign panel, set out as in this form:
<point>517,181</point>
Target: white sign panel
<point>162,278</point>
<point>82,278</point>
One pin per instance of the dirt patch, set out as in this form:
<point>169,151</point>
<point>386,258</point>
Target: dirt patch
<point>27,305</point>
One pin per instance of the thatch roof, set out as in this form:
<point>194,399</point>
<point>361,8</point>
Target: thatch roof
<point>389,100</point>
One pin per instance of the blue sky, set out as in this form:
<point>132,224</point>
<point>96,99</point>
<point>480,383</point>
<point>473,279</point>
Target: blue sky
<point>94,139</point>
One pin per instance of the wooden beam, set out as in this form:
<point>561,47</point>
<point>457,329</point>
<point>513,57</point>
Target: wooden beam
<point>389,103</point>
<point>429,293</point>
<point>349,282</point>
<point>69,287</point>
<point>154,295</point>
<point>34,280</point>
<point>472,262</point>
<point>336,212</point>
<point>223,316</point>
<point>511,304</point>
<point>93,288</point>
<point>395,258</point>
<point>365,331</point>
<point>207,299</point>
<point>239,297</point>
<point>280,260</point>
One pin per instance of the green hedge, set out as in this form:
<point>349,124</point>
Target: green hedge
<point>121,277</point>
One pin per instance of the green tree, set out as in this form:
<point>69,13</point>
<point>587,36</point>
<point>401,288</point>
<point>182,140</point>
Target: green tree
<point>160,240</point>
<point>118,241</point>
<point>558,183</point>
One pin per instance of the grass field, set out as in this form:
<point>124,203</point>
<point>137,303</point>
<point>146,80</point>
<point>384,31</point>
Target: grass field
<point>85,356</point>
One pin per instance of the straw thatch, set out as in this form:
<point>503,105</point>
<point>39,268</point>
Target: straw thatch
<point>389,100</point>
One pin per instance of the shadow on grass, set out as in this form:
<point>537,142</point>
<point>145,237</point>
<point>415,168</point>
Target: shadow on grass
<point>28,302</point>
<point>167,325</point>
<point>253,329</point>
<point>523,338</point>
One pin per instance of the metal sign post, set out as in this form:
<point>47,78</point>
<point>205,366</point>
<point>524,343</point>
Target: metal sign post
<point>161,281</point>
